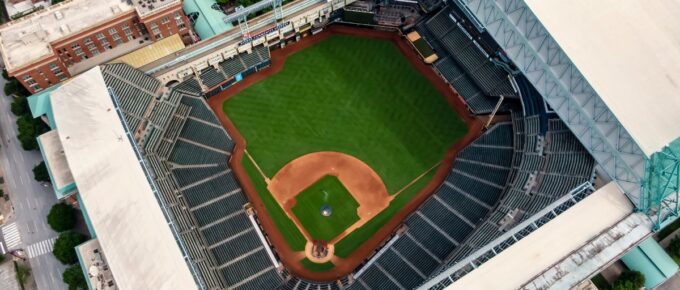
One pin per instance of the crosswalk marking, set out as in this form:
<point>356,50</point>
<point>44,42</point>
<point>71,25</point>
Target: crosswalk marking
<point>11,236</point>
<point>41,248</point>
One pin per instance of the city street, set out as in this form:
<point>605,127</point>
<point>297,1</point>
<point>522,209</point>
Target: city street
<point>31,202</point>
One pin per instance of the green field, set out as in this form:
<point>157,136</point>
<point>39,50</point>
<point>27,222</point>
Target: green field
<point>327,191</point>
<point>352,95</point>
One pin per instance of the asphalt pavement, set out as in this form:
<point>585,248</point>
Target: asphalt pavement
<point>31,200</point>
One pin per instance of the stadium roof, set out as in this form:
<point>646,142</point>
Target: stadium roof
<point>630,54</point>
<point>54,156</point>
<point>152,52</point>
<point>132,230</point>
<point>27,40</point>
<point>549,244</point>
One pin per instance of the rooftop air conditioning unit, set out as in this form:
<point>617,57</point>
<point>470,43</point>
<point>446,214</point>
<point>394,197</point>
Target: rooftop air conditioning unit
<point>58,15</point>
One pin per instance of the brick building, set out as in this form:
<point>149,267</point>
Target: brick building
<point>51,45</point>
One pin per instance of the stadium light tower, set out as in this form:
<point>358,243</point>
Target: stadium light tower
<point>277,6</point>
<point>243,22</point>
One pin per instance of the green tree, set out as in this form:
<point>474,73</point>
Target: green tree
<point>629,280</point>
<point>29,129</point>
<point>11,87</point>
<point>674,248</point>
<point>62,217</point>
<point>74,278</point>
<point>5,75</point>
<point>20,106</point>
<point>40,172</point>
<point>64,247</point>
<point>22,273</point>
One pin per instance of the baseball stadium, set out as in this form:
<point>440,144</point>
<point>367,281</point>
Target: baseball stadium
<point>427,144</point>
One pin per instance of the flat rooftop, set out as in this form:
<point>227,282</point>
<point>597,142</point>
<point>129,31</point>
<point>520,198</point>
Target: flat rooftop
<point>27,40</point>
<point>56,159</point>
<point>629,52</point>
<point>131,227</point>
<point>145,7</point>
<point>551,243</point>
<point>152,52</point>
<point>93,262</point>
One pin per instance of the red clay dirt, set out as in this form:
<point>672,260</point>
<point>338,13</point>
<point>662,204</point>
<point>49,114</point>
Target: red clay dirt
<point>362,182</point>
<point>343,267</point>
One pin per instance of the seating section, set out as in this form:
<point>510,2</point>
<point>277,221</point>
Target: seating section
<point>187,152</point>
<point>219,77</point>
<point>211,77</point>
<point>447,218</point>
<point>546,168</point>
<point>232,66</point>
<point>134,91</point>
<point>198,110</point>
<point>206,133</point>
<point>464,63</point>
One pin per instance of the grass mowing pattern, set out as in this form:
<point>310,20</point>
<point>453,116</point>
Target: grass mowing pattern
<point>316,267</point>
<point>326,191</point>
<point>288,229</point>
<point>352,95</point>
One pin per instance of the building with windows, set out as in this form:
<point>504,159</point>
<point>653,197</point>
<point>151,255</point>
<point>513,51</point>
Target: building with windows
<point>51,45</point>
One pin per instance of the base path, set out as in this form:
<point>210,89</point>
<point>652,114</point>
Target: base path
<point>343,267</point>
<point>362,182</point>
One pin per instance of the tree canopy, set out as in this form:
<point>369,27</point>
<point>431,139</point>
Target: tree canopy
<point>40,172</point>
<point>29,129</point>
<point>62,217</point>
<point>20,106</point>
<point>64,247</point>
<point>629,280</point>
<point>75,279</point>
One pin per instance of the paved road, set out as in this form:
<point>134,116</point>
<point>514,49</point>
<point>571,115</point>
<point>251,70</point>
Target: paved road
<point>31,200</point>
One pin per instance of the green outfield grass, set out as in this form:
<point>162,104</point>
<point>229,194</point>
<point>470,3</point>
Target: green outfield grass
<point>295,239</point>
<point>327,191</point>
<point>352,95</point>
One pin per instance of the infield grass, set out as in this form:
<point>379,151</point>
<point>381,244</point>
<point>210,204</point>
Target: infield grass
<point>352,95</point>
<point>326,191</point>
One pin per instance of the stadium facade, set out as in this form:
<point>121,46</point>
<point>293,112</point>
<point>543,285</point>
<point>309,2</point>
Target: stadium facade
<point>575,179</point>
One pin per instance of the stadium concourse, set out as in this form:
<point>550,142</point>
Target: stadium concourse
<point>566,179</point>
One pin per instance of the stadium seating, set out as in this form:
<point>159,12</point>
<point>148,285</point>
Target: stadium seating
<point>562,166</point>
<point>464,64</point>
<point>210,77</point>
<point>199,110</point>
<point>207,134</point>
<point>232,66</point>
<point>189,175</point>
<point>187,150</point>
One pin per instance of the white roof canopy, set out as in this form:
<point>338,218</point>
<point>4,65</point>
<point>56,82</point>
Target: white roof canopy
<point>130,226</point>
<point>550,243</point>
<point>630,54</point>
